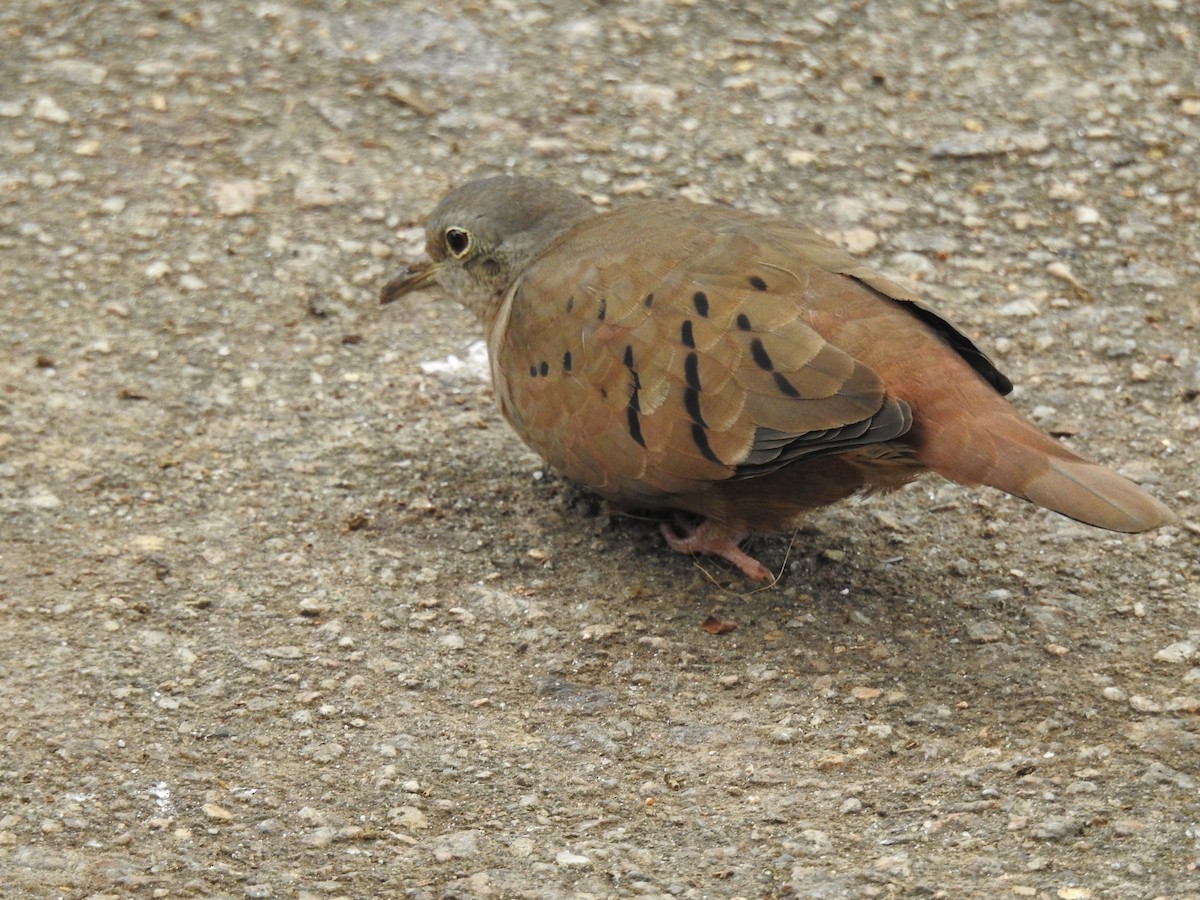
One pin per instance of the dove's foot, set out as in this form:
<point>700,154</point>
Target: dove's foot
<point>714,540</point>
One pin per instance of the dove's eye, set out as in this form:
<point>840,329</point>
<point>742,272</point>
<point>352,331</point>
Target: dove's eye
<point>458,242</point>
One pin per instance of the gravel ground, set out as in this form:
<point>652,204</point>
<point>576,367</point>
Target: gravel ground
<point>288,611</point>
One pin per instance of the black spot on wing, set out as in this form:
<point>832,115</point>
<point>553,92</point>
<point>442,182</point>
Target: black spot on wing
<point>743,322</point>
<point>648,301</point>
<point>633,420</point>
<point>603,309</point>
<point>691,393</point>
<point>700,439</point>
<point>785,387</point>
<point>700,301</point>
<point>757,283</point>
<point>567,361</point>
<point>691,402</point>
<point>686,336</point>
<point>762,359</point>
<point>633,410</point>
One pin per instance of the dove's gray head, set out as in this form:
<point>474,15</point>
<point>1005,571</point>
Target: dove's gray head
<point>484,233</point>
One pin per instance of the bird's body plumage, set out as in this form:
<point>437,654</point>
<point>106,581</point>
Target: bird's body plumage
<point>680,356</point>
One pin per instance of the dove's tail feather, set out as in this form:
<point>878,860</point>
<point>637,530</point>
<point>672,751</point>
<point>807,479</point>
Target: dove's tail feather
<point>981,439</point>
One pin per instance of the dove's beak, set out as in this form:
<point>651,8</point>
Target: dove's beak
<point>415,277</point>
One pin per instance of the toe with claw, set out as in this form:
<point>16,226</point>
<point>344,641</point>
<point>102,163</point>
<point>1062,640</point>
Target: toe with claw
<point>714,540</point>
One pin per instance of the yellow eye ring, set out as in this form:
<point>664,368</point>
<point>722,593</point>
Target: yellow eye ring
<point>458,242</point>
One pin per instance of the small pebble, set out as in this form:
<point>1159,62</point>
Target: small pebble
<point>236,198</point>
<point>157,269</point>
<point>1176,653</point>
<point>1021,308</point>
<point>408,817</point>
<point>47,110</point>
<point>1144,704</point>
<point>216,813</point>
<point>649,95</point>
<point>452,641</point>
<point>1139,373</point>
<point>571,860</point>
<point>315,193</point>
<point>1056,828</point>
<point>859,241</point>
<point>42,498</point>
<point>984,632</point>
<point>313,606</point>
<point>457,845</point>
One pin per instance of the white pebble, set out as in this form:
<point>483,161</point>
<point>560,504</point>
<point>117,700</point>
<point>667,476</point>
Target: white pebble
<point>236,198</point>
<point>160,268</point>
<point>42,498</point>
<point>1178,652</point>
<point>1022,307</point>
<point>48,110</point>
<point>451,641</point>
<point>643,94</point>
<point>566,858</point>
<point>860,240</point>
<point>1144,704</point>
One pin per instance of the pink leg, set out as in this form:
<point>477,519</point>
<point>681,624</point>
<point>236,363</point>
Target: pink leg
<point>714,540</point>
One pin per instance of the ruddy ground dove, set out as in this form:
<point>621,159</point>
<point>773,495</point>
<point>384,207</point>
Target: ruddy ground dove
<point>676,356</point>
